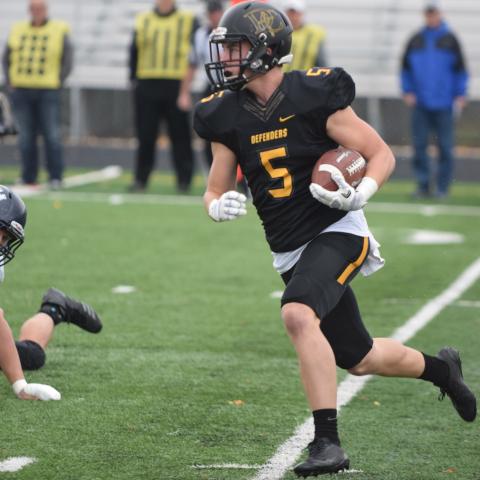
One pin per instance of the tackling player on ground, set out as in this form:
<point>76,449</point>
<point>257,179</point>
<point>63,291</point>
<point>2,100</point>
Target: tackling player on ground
<point>275,126</point>
<point>28,353</point>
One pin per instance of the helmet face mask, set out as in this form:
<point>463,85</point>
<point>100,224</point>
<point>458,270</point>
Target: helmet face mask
<point>15,238</point>
<point>267,32</point>
<point>220,70</point>
<point>13,217</point>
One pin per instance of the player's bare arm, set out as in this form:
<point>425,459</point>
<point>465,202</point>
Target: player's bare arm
<point>221,200</point>
<point>350,131</point>
<point>9,361</point>
<point>222,174</point>
<point>12,369</point>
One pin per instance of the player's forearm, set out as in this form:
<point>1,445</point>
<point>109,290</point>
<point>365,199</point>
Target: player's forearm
<point>9,360</point>
<point>214,192</point>
<point>380,164</point>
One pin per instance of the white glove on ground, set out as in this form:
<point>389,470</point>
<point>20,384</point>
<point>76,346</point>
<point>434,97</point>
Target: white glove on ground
<point>346,197</point>
<point>229,206</point>
<point>36,390</point>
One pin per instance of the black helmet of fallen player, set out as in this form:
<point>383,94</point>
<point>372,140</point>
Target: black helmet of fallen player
<point>269,33</point>
<point>13,217</point>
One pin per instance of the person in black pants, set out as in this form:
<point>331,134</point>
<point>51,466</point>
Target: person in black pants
<point>199,56</point>
<point>158,62</point>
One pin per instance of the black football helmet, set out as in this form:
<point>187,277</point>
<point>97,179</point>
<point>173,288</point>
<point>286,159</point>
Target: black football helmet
<point>13,217</point>
<point>267,30</point>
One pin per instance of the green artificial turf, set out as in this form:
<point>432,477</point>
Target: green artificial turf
<point>194,367</point>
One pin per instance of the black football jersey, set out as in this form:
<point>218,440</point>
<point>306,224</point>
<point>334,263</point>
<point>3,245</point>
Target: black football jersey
<point>277,146</point>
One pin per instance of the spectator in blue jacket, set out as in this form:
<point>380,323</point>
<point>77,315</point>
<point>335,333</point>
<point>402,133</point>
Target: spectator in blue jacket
<point>434,84</point>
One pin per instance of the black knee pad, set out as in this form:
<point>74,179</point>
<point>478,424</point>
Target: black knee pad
<point>32,356</point>
<point>344,329</point>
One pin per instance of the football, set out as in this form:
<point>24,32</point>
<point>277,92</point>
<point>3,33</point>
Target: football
<point>348,162</point>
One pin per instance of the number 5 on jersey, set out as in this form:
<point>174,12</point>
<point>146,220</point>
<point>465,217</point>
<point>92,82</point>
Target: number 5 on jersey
<point>266,158</point>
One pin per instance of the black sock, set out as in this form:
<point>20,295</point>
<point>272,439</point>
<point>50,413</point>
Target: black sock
<point>53,311</point>
<point>325,421</point>
<point>436,371</point>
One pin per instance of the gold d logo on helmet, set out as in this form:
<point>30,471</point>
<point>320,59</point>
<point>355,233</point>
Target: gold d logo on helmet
<point>264,19</point>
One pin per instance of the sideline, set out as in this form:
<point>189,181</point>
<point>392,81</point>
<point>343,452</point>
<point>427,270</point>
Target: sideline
<point>287,454</point>
<point>423,209</point>
<point>107,173</point>
<point>120,198</point>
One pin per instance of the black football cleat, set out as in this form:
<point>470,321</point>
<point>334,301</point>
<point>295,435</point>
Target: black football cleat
<point>461,396</point>
<point>324,457</point>
<point>65,309</point>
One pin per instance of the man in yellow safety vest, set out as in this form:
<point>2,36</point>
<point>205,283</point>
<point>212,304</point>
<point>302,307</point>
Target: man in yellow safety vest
<point>159,54</point>
<point>36,61</point>
<point>308,40</point>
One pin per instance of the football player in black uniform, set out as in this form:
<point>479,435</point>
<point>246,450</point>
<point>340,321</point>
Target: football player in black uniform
<point>28,353</point>
<point>275,126</point>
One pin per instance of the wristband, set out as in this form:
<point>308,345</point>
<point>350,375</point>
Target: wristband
<point>19,385</point>
<point>367,187</point>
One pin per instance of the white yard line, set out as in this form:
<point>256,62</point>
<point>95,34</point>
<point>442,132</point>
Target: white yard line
<point>240,466</point>
<point>107,173</point>
<point>119,198</point>
<point>422,209</point>
<point>13,464</point>
<point>412,301</point>
<point>288,452</point>
<point>226,466</point>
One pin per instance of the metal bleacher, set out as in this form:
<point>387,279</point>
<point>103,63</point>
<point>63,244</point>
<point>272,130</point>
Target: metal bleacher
<point>365,37</point>
<point>101,33</point>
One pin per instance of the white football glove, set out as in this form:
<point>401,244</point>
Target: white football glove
<point>35,391</point>
<point>229,206</point>
<point>346,197</point>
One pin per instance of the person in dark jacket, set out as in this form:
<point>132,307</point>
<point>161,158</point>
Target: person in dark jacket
<point>434,85</point>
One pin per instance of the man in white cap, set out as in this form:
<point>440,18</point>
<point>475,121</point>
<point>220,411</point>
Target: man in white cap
<point>308,40</point>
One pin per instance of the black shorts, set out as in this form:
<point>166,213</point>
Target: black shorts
<point>320,279</point>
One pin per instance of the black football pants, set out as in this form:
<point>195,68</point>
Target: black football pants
<point>156,100</point>
<point>320,279</point>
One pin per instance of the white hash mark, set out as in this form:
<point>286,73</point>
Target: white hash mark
<point>13,464</point>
